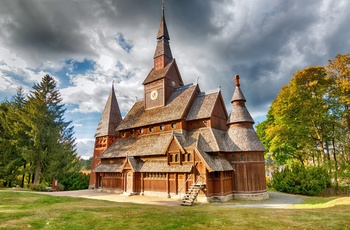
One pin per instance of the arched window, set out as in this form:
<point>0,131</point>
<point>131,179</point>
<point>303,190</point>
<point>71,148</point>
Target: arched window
<point>234,157</point>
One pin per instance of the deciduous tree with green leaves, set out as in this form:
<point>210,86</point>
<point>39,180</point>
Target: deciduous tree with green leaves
<point>308,123</point>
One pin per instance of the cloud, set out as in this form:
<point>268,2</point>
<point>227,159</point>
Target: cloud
<point>88,45</point>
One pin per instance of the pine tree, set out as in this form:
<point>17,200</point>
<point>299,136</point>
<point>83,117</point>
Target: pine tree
<point>53,150</point>
<point>12,139</point>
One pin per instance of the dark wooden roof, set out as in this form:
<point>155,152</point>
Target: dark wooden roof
<point>163,30</point>
<point>156,75</point>
<point>163,48</point>
<point>110,118</point>
<point>175,109</point>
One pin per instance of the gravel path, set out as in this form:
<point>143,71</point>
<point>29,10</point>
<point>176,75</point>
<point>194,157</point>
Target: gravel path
<point>277,199</point>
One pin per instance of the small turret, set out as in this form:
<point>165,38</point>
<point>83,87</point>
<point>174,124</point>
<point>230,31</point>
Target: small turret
<point>239,113</point>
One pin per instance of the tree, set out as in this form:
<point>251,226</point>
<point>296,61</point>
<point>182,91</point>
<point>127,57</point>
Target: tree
<point>53,148</point>
<point>309,121</point>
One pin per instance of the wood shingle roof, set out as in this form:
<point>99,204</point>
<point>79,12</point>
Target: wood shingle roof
<point>156,75</point>
<point>203,106</point>
<point>175,109</point>
<point>110,118</point>
<point>144,145</point>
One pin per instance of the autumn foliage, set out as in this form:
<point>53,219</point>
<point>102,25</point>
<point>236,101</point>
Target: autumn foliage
<point>309,121</point>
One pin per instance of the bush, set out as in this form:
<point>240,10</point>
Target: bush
<point>60,187</point>
<point>301,180</point>
<point>37,187</point>
<point>74,181</point>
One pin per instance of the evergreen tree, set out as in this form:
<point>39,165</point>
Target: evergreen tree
<point>53,150</point>
<point>12,140</point>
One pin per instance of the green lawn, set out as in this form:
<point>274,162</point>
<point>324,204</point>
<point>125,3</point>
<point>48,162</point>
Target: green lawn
<point>20,210</point>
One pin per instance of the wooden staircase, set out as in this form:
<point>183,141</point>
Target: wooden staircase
<point>192,194</point>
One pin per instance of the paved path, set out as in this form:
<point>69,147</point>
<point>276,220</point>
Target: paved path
<point>277,199</point>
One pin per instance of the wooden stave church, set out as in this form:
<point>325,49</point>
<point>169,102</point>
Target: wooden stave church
<point>176,137</point>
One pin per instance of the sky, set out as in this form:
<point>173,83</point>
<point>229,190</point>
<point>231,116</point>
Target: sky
<point>86,45</point>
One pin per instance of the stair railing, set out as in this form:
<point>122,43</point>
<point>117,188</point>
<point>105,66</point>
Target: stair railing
<point>200,177</point>
<point>179,191</point>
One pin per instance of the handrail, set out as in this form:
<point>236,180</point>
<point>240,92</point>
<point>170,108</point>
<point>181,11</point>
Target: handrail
<point>199,178</point>
<point>179,191</point>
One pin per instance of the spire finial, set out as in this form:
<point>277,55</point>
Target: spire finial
<point>237,80</point>
<point>163,5</point>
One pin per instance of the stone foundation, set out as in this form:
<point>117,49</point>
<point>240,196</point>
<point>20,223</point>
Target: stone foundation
<point>251,196</point>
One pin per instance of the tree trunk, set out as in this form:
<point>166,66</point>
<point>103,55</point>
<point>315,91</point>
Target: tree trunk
<point>335,164</point>
<point>23,175</point>
<point>37,170</point>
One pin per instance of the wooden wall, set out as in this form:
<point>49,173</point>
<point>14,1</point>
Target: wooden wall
<point>249,175</point>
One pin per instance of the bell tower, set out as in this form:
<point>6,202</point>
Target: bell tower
<point>164,76</point>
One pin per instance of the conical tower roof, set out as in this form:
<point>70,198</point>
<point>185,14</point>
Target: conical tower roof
<point>239,113</point>
<point>163,47</point>
<point>110,118</point>
<point>241,131</point>
<point>163,30</point>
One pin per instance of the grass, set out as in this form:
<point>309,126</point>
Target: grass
<point>20,210</point>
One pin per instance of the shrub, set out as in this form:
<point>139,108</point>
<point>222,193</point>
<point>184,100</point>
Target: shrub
<point>60,187</point>
<point>75,181</point>
<point>299,179</point>
<point>37,187</point>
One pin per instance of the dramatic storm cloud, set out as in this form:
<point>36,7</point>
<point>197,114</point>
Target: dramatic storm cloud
<point>86,45</point>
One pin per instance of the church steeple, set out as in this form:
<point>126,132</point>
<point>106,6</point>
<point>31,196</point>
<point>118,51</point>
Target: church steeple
<point>162,55</point>
<point>164,76</point>
<point>106,132</point>
<point>239,113</point>
<point>110,118</point>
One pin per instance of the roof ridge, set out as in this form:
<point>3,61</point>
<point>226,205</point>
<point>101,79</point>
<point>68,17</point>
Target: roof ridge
<point>183,87</point>
<point>208,92</point>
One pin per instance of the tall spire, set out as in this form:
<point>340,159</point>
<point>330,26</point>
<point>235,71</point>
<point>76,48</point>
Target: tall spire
<point>162,55</point>
<point>239,113</point>
<point>110,118</point>
<point>163,30</point>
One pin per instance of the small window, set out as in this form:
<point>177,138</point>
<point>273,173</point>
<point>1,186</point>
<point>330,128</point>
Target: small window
<point>123,134</point>
<point>151,129</point>
<point>189,157</point>
<point>132,131</point>
<point>251,156</point>
<point>183,157</point>
<point>176,157</point>
<point>162,127</point>
<point>242,157</point>
<point>173,125</point>
<point>234,158</point>
<point>216,174</point>
<point>141,130</point>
